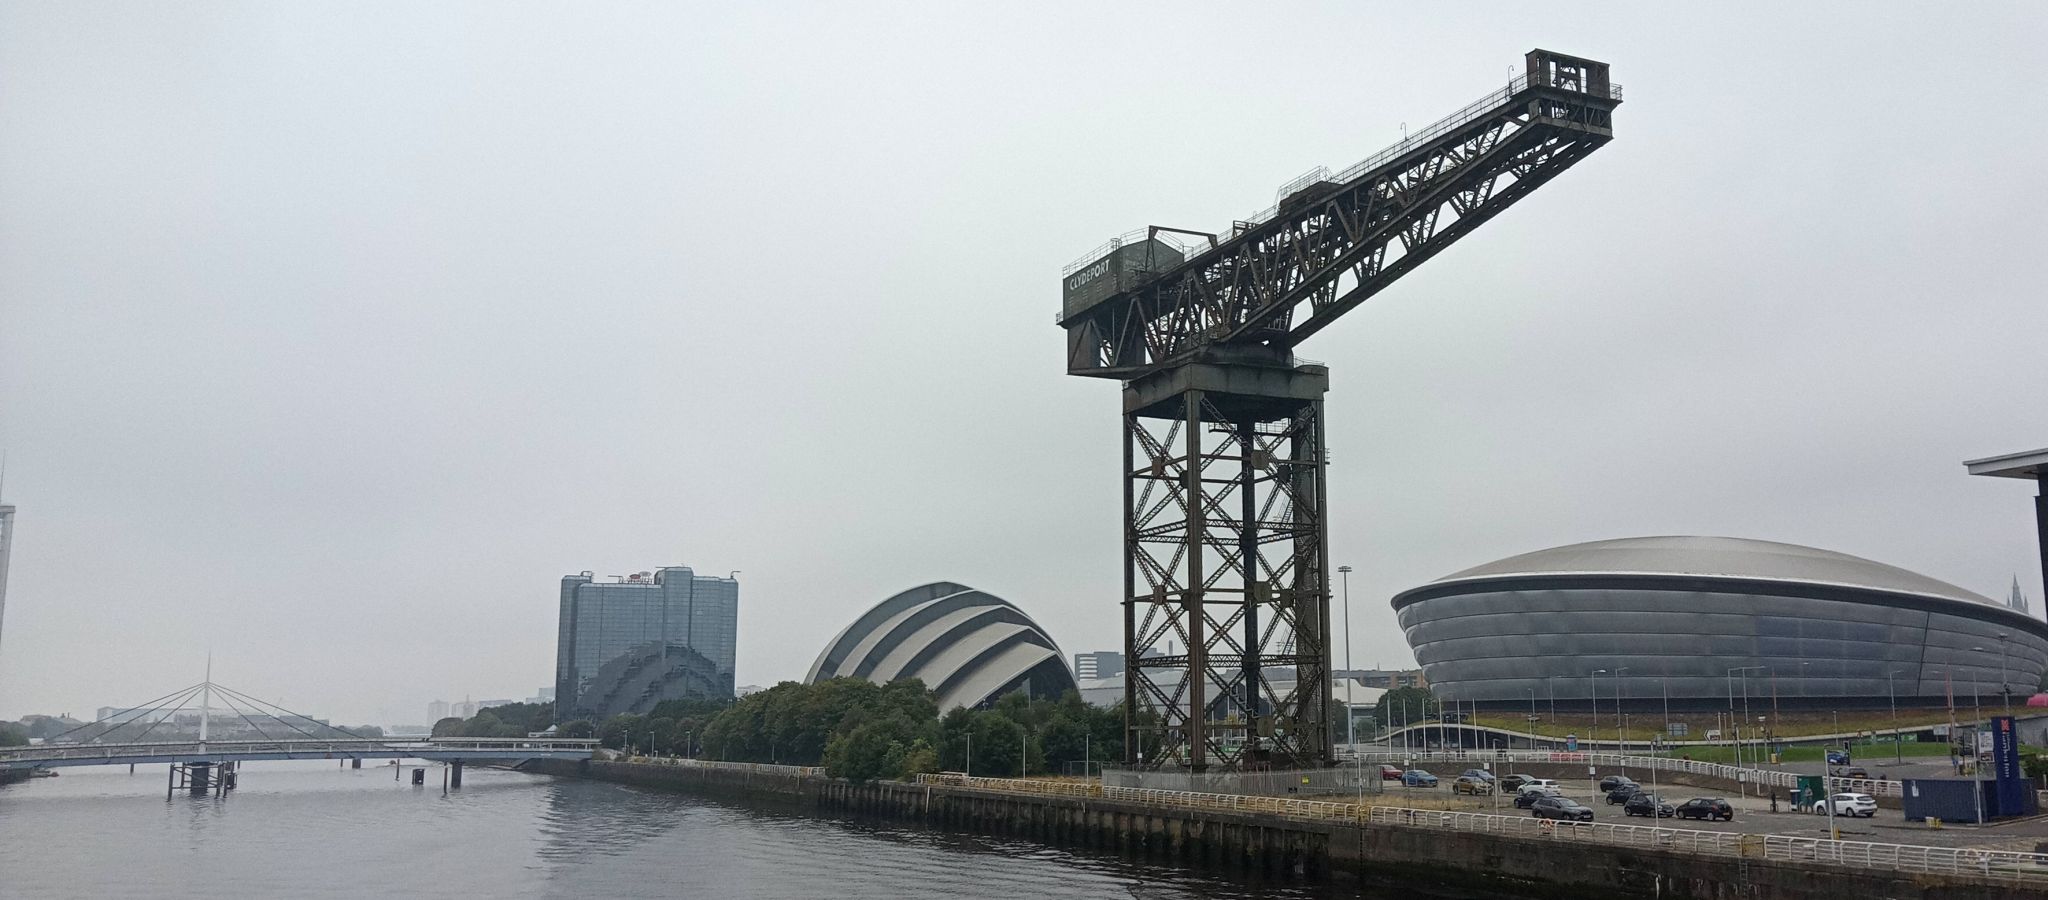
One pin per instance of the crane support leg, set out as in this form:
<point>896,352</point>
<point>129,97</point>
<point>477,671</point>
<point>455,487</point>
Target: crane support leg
<point>1225,567</point>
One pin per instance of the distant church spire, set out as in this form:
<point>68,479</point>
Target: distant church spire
<point>2018,600</point>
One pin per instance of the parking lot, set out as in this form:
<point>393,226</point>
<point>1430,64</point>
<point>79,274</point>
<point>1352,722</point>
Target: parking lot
<point>1753,815</point>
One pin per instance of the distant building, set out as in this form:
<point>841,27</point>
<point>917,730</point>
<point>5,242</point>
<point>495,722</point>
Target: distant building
<point>464,710</point>
<point>438,710</point>
<point>627,644</point>
<point>2016,600</point>
<point>1099,664</point>
<point>1386,679</point>
<point>487,704</point>
<point>746,689</point>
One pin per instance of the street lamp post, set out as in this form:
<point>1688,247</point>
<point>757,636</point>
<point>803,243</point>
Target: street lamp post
<point>1620,717</point>
<point>1532,716</point>
<point>1350,737</point>
<point>2004,686</point>
<point>1550,687</point>
<point>1976,743</point>
<point>1891,689</point>
<point>1593,684</point>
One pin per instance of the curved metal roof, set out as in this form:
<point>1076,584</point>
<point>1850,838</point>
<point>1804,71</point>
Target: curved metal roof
<point>965,645</point>
<point>1716,557</point>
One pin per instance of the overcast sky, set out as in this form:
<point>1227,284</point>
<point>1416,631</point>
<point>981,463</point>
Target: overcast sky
<point>332,336</point>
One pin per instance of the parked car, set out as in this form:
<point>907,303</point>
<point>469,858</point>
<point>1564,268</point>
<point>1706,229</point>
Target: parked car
<point>1648,806</point>
<point>1706,808</point>
<point>1838,757</point>
<point>1466,784</point>
<point>1540,782</point>
<point>1528,799</point>
<point>1608,783</point>
<point>1562,808</point>
<point>1418,778</point>
<point>1621,791</point>
<point>1390,773</point>
<point>1856,772</point>
<point>1480,774</point>
<point>1862,805</point>
<point>1514,782</point>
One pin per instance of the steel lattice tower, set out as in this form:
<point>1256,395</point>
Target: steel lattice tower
<point>1226,573</point>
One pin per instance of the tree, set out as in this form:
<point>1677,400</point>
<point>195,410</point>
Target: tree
<point>616,730</point>
<point>577,728</point>
<point>12,734</point>
<point>1405,705</point>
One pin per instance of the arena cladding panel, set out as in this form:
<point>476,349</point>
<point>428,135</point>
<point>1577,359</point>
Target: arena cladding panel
<point>1677,613</point>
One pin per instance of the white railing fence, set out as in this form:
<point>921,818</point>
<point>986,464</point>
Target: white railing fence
<point>1966,861</point>
<point>1744,774</point>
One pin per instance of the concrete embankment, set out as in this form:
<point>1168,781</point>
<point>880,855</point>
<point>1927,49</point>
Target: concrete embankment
<point>1268,846</point>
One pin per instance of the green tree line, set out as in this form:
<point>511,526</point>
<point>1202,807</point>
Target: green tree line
<point>854,728</point>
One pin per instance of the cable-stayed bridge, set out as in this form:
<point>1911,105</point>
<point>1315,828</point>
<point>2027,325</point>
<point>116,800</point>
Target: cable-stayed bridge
<point>256,731</point>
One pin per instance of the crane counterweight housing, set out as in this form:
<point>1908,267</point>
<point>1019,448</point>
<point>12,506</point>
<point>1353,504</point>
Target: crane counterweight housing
<point>1224,495</point>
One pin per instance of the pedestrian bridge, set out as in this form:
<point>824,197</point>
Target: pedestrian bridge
<point>452,750</point>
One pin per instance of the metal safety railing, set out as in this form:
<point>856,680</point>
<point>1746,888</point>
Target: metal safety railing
<point>1880,787</point>
<point>750,768</point>
<point>1964,861</point>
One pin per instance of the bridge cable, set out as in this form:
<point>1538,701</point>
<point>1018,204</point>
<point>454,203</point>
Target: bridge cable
<point>153,725</point>
<point>287,722</point>
<point>138,712</point>
<point>245,717</point>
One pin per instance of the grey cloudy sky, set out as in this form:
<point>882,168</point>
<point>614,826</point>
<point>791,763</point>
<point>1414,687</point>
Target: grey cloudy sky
<point>331,336</point>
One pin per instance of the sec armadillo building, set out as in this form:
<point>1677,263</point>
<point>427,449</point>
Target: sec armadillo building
<point>1702,618</point>
<point>969,647</point>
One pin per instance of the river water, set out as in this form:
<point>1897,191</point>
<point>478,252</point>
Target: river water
<point>309,829</point>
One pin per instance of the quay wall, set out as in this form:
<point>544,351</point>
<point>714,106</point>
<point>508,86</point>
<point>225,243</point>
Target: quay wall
<point>1259,846</point>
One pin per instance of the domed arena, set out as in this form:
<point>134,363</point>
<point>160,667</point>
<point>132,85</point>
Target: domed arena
<point>1689,616</point>
<point>967,646</point>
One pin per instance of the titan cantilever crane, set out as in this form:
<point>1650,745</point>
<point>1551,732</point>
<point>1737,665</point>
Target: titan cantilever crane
<point>1225,552</point>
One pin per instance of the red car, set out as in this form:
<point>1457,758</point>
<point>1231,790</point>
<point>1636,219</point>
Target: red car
<point>1390,773</point>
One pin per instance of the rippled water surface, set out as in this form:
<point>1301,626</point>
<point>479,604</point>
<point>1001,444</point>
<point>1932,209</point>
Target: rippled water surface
<point>311,830</point>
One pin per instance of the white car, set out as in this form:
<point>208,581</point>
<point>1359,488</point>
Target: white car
<point>1848,805</point>
<point>1553,786</point>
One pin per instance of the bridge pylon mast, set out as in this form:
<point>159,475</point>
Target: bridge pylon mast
<point>1225,551</point>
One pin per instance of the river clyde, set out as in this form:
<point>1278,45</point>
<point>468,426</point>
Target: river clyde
<point>310,829</point>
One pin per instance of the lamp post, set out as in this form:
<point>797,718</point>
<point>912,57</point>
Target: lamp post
<point>2004,686</point>
<point>1350,737</point>
<point>1532,716</point>
<point>1620,718</point>
<point>1593,684</point>
<point>1550,687</point>
<point>1891,689</point>
<point>1976,744</point>
<point>1737,727</point>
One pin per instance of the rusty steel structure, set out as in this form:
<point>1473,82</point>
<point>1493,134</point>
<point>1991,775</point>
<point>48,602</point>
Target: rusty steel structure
<point>1226,575</point>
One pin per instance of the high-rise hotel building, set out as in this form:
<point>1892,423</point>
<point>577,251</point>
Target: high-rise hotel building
<point>630,642</point>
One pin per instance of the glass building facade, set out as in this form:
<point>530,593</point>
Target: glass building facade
<point>606,621</point>
<point>1701,620</point>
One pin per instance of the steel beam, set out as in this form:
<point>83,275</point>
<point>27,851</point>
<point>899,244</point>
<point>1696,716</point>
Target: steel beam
<point>1225,569</point>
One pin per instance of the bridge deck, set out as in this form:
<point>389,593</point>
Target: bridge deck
<point>445,750</point>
